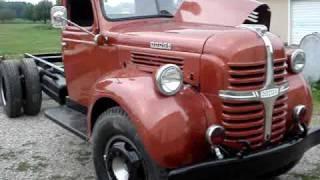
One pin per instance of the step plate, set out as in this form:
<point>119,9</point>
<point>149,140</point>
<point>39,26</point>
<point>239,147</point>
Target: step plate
<point>69,119</point>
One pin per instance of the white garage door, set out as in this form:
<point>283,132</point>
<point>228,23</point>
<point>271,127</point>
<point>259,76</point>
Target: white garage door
<point>305,16</point>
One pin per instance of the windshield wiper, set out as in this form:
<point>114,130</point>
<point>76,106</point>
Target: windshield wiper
<point>165,13</point>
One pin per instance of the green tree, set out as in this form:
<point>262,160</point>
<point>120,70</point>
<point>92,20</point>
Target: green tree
<point>42,10</point>
<point>7,14</point>
<point>58,3</point>
<point>18,7</point>
<point>29,12</point>
<point>2,4</point>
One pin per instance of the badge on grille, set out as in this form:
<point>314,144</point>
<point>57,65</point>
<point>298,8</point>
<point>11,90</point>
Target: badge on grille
<point>268,93</point>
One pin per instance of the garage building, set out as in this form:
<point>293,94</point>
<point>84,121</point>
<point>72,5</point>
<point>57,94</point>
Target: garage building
<point>293,19</point>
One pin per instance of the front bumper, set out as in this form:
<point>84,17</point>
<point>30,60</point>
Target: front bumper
<point>253,165</point>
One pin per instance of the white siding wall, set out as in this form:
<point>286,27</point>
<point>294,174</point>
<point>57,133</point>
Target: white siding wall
<point>279,17</point>
<point>305,15</point>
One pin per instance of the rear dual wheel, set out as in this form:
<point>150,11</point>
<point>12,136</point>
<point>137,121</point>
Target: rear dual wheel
<point>11,91</point>
<point>32,96</point>
<point>20,89</point>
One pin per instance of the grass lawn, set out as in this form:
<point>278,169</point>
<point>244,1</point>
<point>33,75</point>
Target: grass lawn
<point>16,39</point>
<point>316,99</point>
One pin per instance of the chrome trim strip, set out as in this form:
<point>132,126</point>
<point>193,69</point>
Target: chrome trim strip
<point>270,92</point>
<point>254,95</point>
<point>238,95</point>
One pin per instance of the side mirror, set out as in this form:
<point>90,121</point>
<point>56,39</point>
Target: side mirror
<point>59,20</point>
<point>58,16</point>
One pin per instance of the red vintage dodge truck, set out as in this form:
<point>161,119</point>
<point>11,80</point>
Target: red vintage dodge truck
<point>171,89</point>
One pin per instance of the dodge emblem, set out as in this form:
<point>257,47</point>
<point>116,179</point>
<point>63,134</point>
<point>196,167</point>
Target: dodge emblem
<point>160,45</point>
<point>268,93</point>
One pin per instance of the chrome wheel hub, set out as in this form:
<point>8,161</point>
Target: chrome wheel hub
<point>120,169</point>
<point>122,160</point>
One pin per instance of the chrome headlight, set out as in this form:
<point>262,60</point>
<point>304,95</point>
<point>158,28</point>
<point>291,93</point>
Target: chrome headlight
<point>298,61</point>
<point>169,79</point>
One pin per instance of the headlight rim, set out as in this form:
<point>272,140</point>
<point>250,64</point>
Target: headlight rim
<point>158,79</point>
<point>294,55</point>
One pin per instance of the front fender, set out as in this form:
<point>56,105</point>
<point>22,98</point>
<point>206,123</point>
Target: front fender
<point>299,94</point>
<point>171,128</point>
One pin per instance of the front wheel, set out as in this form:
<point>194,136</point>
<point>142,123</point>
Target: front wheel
<point>118,154</point>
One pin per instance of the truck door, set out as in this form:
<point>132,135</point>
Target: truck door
<point>83,59</point>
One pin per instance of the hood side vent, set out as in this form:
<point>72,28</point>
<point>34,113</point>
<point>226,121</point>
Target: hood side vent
<point>260,15</point>
<point>151,62</point>
<point>253,17</point>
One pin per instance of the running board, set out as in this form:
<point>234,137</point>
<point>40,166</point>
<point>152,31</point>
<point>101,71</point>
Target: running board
<point>69,119</point>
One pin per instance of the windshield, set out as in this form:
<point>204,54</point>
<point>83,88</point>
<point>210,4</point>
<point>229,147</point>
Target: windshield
<point>123,9</point>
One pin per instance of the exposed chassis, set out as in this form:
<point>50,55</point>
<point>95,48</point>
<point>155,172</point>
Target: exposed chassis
<point>53,83</point>
<point>52,75</point>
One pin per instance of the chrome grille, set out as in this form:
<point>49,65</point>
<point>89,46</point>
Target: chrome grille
<point>251,76</point>
<point>244,121</point>
<point>150,62</point>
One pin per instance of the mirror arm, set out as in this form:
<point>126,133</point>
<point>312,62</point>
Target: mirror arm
<point>79,27</point>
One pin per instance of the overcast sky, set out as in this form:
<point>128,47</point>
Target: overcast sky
<point>31,1</point>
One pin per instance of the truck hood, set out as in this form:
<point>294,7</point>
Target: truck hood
<point>224,12</point>
<point>194,23</point>
<point>187,42</point>
<point>183,36</point>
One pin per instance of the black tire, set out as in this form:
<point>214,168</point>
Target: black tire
<point>10,88</point>
<point>32,96</point>
<point>112,124</point>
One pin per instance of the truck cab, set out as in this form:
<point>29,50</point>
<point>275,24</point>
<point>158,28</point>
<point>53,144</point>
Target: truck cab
<point>173,89</point>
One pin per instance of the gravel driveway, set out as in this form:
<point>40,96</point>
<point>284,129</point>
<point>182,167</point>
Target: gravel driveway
<point>34,148</point>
